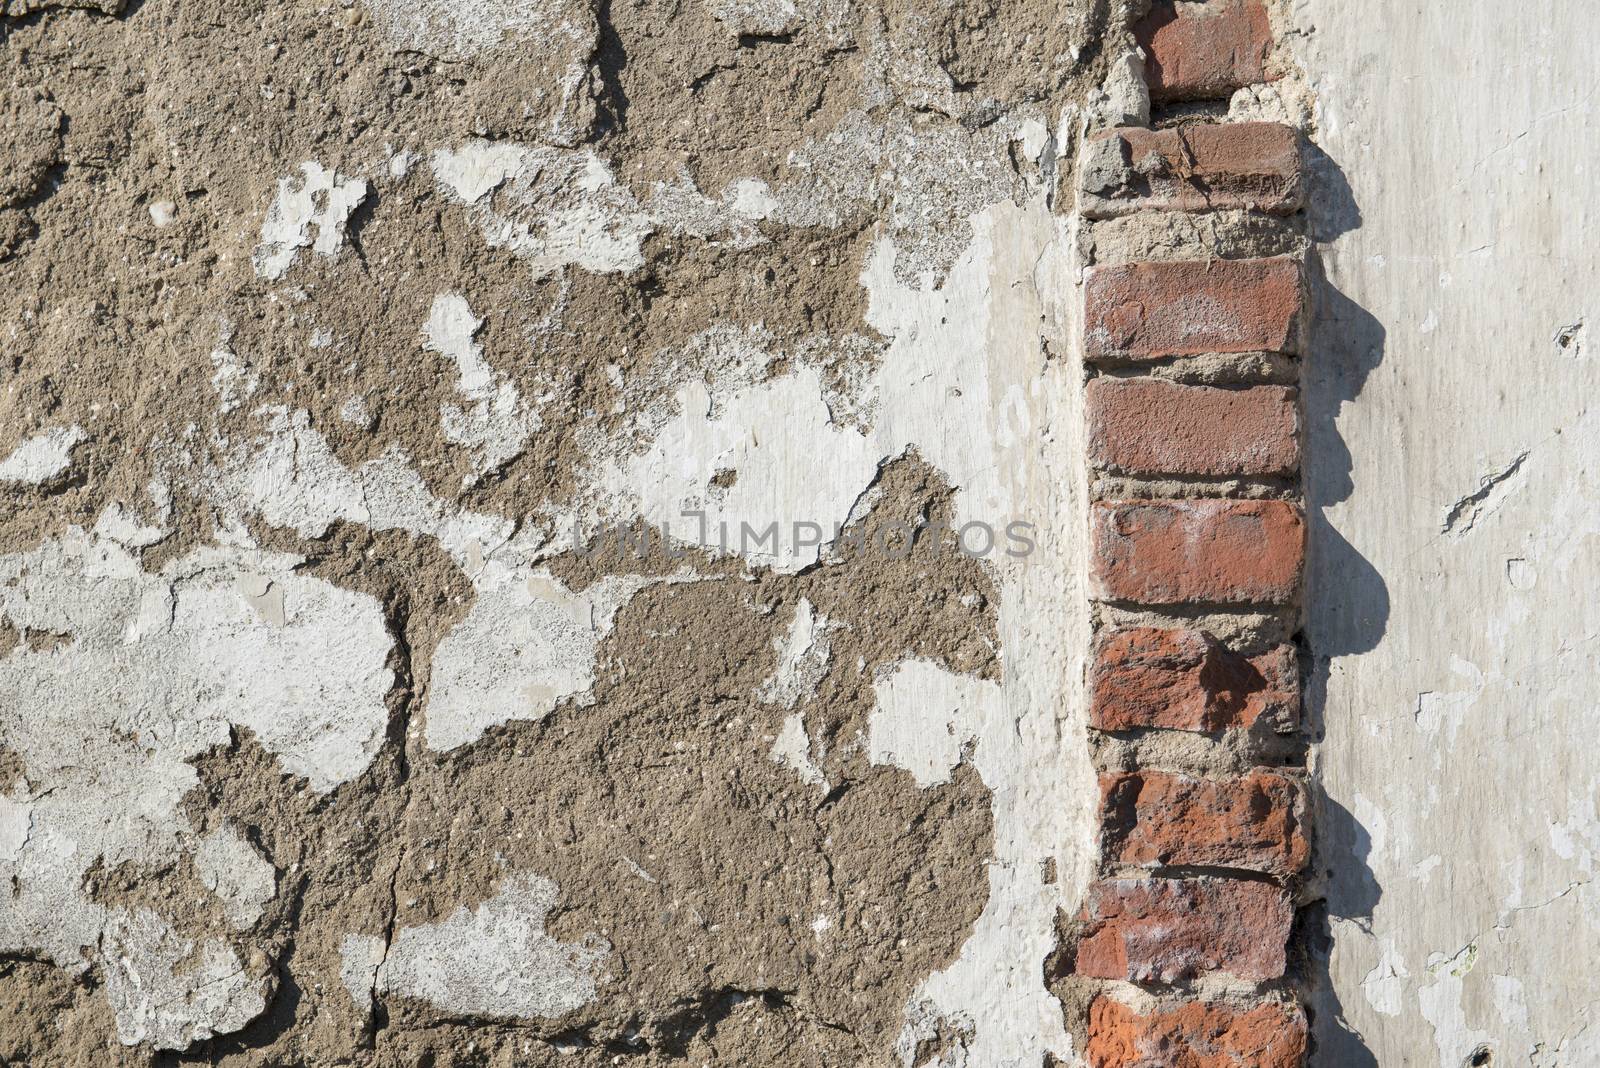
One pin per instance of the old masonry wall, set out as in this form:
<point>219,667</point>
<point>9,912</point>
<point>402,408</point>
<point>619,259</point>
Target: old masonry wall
<point>817,532</point>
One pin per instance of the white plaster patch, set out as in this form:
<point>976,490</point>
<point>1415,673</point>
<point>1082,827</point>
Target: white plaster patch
<point>465,30</point>
<point>936,179</point>
<point>496,960</point>
<point>359,959</point>
<point>1385,984</point>
<point>154,669</point>
<point>770,435</point>
<point>1441,1004</point>
<point>559,207</point>
<point>232,379</point>
<point>803,656</point>
<point>792,748</point>
<point>290,477</point>
<point>122,525</point>
<point>966,382</point>
<point>16,824</point>
<point>43,456</point>
<point>1446,711</point>
<point>540,638</point>
<point>923,718</point>
<point>354,411</point>
<point>236,872</point>
<point>169,992</point>
<point>496,426</point>
<point>765,17</point>
<point>320,198</point>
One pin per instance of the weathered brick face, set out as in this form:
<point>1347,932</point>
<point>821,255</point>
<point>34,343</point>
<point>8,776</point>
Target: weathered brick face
<point>1194,450</point>
<point>1149,426</point>
<point>1204,50</point>
<point>1187,680</point>
<point>1247,165</point>
<point>1196,1035</point>
<point>1175,930</point>
<point>1254,822</point>
<point>1151,311</point>
<point>1199,551</point>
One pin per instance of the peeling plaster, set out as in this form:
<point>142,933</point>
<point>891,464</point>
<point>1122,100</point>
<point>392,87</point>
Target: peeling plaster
<point>803,658</point>
<point>792,748</point>
<point>923,719</point>
<point>290,477</point>
<point>558,207</point>
<point>971,266</point>
<point>322,199</point>
<point>495,960</point>
<point>156,669</point>
<point>771,435</point>
<point>42,457</point>
<point>540,636</point>
<point>497,426</point>
<point>170,991</point>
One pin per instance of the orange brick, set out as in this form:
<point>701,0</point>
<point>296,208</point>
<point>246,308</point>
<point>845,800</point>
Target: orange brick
<point>1235,165</point>
<point>1173,930</point>
<point>1255,822</point>
<point>1151,311</point>
<point>1220,552</point>
<point>1205,50</point>
<point>1196,1034</point>
<point>1186,680</point>
<point>1146,426</point>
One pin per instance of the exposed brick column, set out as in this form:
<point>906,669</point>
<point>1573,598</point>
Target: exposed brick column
<point>1182,950</point>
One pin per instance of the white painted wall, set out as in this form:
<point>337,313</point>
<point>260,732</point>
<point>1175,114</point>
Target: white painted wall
<point>1457,641</point>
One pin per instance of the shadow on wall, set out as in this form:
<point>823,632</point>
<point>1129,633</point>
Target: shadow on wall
<point>1347,601</point>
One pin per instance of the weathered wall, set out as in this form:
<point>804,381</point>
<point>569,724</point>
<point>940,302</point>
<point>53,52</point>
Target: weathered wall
<point>334,338</point>
<point>1452,480</point>
<point>323,741</point>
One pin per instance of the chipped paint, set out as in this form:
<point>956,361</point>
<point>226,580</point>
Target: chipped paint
<point>803,658</point>
<point>494,960</point>
<point>156,668</point>
<point>319,199</point>
<point>42,457</point>
<point>540,636</point>
<point>269,682</point>
<point>497,426</point>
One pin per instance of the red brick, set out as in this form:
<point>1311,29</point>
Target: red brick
<point>1210,167</point>
<point>1196,1034</point>
<point>1186,680</point>
<point>1220,552</point>
<point>1204,50</point>
<point>1150,311</point>
<point>1154,818</point>
<point>1173,930</point>
<point>1146,426</point>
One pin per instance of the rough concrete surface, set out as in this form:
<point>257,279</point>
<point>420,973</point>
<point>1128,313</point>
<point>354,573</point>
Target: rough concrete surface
<point>1451,473</point>
<point>335,334</point>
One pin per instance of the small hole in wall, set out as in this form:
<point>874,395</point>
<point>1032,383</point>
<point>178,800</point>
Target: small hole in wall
<point>1480,1057</point>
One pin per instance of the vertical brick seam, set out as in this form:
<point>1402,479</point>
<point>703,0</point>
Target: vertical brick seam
<point>1197,514</point>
